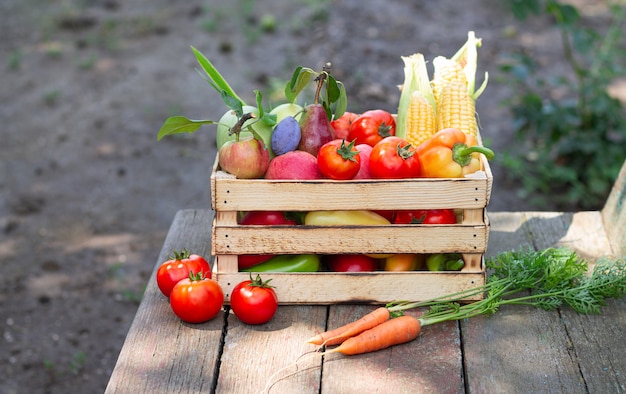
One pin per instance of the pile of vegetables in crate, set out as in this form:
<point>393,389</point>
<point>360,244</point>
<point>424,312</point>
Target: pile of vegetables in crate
<point>434,135</point>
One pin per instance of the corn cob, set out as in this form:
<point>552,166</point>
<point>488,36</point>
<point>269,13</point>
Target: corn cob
<point>456,108</point>
<point>454,84</point>
<point>417,104</point>
<point>421,123</point>
<point>446,71</point>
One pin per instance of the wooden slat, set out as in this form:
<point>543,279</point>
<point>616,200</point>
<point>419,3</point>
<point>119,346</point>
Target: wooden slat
<point>253,354</point>
<point>430,364</point>
<point>349,239</point>
<point>365,287</point>
<point>596,340</point>
<point>161,354</point>
<point>520,349</point>
<point>231,194</point>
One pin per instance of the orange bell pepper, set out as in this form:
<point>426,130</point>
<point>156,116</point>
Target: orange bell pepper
<point>450,153</point>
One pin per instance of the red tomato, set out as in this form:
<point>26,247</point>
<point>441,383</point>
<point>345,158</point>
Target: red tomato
<point>425,216</point>
<point>196,299</point>
<point>351,263</point>
<point>394,158</point>
<point>404,262</point>
<point>342,124</point>
<point>254,301</point>
<point>267,218</point>
<point>371,127</point>
<point>339,161</point>
<point>387,214</point>
<point>178,267</point>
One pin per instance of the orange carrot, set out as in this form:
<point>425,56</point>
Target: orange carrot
<point>340,334</point>
<point>392,332</point>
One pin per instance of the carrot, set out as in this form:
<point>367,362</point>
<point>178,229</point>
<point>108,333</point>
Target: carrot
<point>340,334</point>
<point>392,332</point>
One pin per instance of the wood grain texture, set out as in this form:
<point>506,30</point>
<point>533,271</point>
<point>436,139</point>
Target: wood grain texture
<point>231,194</point>
<point>161,354</point>
<point>519,350</point>
<point>349,239</point>
<point>430,364</point>
<point>523,349</point>
<point>253,354</point>
<point>365,287</point>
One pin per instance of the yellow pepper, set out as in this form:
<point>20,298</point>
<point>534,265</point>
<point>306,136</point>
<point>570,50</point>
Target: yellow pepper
<point>344,218</point>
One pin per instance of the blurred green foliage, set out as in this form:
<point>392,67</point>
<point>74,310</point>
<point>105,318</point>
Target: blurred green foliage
<point>572,131</point>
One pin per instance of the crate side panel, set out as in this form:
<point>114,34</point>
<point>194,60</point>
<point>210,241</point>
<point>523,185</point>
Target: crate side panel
<point>247,195</point>
<point>349,239</point>
<point>331,288</point>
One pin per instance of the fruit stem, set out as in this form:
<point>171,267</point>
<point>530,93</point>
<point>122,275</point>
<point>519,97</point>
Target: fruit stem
<point>320,81</point>
<point>236,129</point>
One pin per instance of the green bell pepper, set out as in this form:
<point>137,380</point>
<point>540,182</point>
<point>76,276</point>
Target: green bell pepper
<point>288,263</point>
<point>444,262</point>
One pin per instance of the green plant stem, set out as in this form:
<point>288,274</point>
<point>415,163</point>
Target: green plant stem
<point>553,276</point>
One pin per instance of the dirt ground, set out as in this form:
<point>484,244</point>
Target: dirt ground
<point>86,191</point>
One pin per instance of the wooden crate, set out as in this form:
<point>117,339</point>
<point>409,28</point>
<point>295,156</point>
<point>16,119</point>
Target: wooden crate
<point>470,194</point>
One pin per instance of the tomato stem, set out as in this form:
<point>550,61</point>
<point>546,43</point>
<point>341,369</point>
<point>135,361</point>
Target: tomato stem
<point>183,254</point>
<point>258,282</point>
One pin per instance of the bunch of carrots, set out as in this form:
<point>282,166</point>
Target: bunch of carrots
<point>548,278</point>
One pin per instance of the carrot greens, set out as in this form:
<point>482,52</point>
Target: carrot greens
<point>546,279</point>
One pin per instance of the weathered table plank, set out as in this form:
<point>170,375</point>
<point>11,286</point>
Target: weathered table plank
<point>431,364</point>
<point>161,354</point>
<point>253,354</point>
<point>518,350</point>
<point>528,350</point>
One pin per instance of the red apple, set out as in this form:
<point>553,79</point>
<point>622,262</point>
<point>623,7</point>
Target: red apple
<point>247,158</point>
<point>364,170</point>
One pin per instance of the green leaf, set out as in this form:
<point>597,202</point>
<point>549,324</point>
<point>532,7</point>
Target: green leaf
<point>265,117</point>
<point>180,124</point>
<point>259,102</point>
<point>219,82</point>
<point>342,102</point>
<point>232,103</point>
<point>299,80</point>
<point>332,89</point>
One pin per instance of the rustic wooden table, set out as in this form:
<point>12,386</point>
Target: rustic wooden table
<point>518,350</point>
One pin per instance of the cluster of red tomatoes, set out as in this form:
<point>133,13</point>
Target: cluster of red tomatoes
<point>380,153</point>
<point>196,298</point>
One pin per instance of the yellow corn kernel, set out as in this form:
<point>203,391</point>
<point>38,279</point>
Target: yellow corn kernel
<point>446,71</point>
<point>421,122</point>
<point>456,108</point>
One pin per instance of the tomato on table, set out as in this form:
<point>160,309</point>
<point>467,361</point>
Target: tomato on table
<point>372,126</point>
<point>178,267</point>
<point>394,158</point>
<point>425,216</point>
<point>196,299</point>
<point>338,160</point>
<point>254,301</point>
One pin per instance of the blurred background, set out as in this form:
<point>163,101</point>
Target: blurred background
<point>87,193</point>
